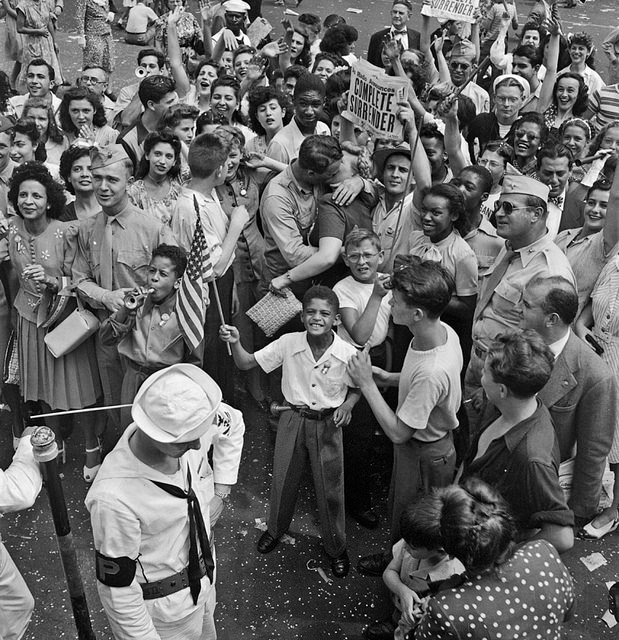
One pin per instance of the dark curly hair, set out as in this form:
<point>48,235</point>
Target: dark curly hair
<point>584,39</point>
<point>68,157</point>
<point>582,99</point>
<point>38,172</point>
<point>337,39</point>
<point>261,95</point>
<point>337,60</point>
<point>27,127</point>
<point>232,83</point>
<point>80,93</point>
<point>152,139</point>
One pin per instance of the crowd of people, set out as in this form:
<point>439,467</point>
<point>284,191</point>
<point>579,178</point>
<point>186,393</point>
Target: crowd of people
<point>458,292</point>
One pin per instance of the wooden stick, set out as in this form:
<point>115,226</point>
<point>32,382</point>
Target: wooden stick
<point>74,411</point>
<point>221,311</point>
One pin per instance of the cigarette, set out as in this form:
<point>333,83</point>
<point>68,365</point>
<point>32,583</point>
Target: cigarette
<point>467,401</point>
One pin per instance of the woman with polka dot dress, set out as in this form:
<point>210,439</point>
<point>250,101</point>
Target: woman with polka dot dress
<point>508,591</point>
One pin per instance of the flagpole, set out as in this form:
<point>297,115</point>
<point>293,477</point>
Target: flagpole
<point>221,311</point>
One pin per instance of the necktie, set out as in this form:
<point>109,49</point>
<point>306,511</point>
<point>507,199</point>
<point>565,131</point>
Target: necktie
<point>493,280</point>
<point>197,535</point>
<point>106,260</point>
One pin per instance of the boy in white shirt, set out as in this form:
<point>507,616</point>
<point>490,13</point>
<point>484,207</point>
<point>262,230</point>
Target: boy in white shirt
<point>365,308</point>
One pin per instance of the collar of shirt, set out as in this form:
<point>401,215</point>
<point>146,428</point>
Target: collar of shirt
<point>558,346</point>
<point>530,251</point>
<point>288,178</point>
<point>401,32</point>
<point>515,435</point>
<point>167,306</point>
<point>485,227</point>
<point>338,349</point>
<point>120,218</point>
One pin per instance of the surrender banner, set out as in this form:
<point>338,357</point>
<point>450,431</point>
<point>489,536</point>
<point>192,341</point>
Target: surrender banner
<point>373,100</point>
<point>461,10</point>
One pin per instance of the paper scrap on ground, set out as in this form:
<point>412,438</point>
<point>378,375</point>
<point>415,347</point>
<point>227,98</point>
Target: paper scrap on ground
<point>594,561</point>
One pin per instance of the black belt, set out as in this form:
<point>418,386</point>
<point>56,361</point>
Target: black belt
<point>169,585</point>
<point>148,371</point>
<point>311,414</point>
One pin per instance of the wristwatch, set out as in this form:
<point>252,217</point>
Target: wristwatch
<point>223,496</point>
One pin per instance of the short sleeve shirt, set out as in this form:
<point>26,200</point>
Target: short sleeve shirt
<point>356,295</point>
<point>429,391</point>
<point>319,385</point>
<point>453,253</point>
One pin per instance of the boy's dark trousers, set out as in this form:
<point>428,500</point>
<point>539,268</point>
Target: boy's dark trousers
<point>300,439</point>
<point>358,437</point>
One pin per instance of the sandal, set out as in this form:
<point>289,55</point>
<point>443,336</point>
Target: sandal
<point>589,532</point>
<point>90,473</point>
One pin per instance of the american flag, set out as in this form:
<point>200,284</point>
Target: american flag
<point>192,300</point>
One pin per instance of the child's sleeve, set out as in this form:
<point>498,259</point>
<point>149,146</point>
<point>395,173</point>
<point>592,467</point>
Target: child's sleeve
<point>112,332</point>
<point>272,356</point>
<point>423,395</point>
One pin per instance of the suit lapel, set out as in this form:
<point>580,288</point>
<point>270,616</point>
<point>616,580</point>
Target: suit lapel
<point>562,380</point>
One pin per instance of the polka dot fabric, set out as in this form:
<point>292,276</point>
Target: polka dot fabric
<point>527,597</point>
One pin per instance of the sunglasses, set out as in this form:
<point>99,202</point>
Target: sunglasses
<point>507,207</point>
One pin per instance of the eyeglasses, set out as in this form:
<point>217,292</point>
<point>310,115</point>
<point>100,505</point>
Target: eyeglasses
<point>507,207</point>
<point>91,80</point>
<point>357,257</point>
<point>463,66</point>
<point>526,134</point>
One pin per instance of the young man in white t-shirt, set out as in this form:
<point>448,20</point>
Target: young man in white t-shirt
<point>365,309</point>
<point>429,392</point>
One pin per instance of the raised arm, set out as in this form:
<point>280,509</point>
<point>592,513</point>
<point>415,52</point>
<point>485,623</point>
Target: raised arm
<point>552,61</point>
<point>175,56</point>
<point>420,165</point>
<point>453,140</point>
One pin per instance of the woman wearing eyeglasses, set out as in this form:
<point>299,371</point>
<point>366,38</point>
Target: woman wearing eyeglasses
<point>527,137</point>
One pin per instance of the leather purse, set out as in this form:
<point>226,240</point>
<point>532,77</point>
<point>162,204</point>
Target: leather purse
<point>75,329</point>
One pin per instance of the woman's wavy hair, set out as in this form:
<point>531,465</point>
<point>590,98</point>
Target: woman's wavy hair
<point>261,95</point>
<point>68,157</point>
<point>38,172</point>
<point>596,143</point>
<point>80,93</point>
<point>476,525</point>
<point>152,139</point>
<point>582,99</point>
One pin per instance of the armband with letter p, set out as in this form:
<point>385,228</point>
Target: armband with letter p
<point>115,572</point>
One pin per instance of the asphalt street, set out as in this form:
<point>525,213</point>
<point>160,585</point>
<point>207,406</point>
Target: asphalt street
<point>273,596</point>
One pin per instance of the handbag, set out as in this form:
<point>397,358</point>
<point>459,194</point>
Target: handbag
<point>273,311</point>
<point>75,329</point>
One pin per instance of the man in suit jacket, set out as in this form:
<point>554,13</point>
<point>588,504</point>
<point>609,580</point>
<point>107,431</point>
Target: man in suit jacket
<point>582,394</point>
<point>401,12</point>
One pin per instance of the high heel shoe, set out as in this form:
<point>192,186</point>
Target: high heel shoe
<point>90,473</point>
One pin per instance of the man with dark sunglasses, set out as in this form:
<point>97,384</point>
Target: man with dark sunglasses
<point>529,252</point>
<point>461,59</point>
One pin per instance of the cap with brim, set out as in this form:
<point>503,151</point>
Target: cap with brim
<point>6,124</point>
<point>463,49</point>
<point>524,186</point>
<point>104,156</point>
<point>177,404</point>
<point>519,79</point>
<point>381,156</point>
<point>236,6</point>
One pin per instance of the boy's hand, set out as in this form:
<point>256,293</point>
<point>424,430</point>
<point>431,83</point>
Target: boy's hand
<point>380,375</point>
<point>359,368</point>
<point>342,415</point>
<point>380,284</point>
<point>229,333</point>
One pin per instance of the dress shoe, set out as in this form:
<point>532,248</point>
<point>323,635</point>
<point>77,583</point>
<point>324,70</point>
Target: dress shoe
<point>340,566</point>
<point>367,519</point>
<point>267,543</point>
<point>374,564</point>
<point>382,630</point>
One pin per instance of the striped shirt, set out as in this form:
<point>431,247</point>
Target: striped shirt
<point>604,104</point>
